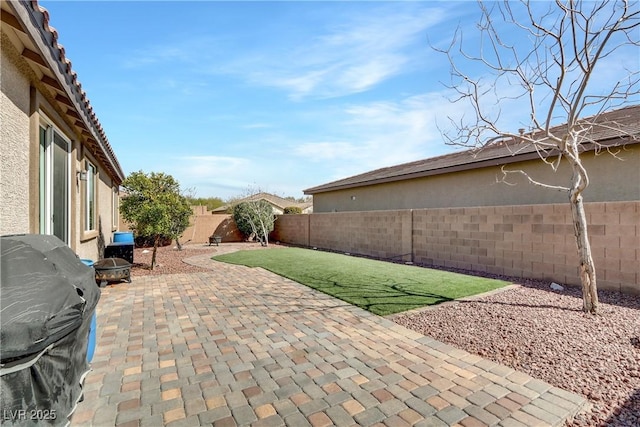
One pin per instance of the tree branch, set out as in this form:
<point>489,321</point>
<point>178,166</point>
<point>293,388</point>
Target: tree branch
<point>505,172</point>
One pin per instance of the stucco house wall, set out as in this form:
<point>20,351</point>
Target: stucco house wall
<point>611,179</point>
<point>14,133</point>
<point>40,100</point>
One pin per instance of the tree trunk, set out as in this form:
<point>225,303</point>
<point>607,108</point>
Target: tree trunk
<point>265,240</point>
<point>156,242</point>
<point>585,259</point>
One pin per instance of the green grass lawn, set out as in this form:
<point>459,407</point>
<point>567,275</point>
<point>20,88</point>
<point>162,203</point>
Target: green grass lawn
<point>379,287</point>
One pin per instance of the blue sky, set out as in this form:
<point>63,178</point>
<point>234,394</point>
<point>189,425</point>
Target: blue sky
<point>281,96</point>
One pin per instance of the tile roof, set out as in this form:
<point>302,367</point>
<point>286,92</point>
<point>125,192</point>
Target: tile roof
<point>38,19</point>
<point>271,198</point>
<point>608,130</point>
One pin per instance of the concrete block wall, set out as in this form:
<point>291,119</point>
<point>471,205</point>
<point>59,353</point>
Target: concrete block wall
<point>617,243</point>
<point>380,234</point>
<point>505,240</point>
<point>294,229</point>
<point>533,241</point>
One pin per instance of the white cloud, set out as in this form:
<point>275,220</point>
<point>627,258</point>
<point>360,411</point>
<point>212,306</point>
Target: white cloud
<point>340,51</point>
<point>380,134</point>
<point>215,175</point>
<point>349,56</point>
<point>228,176</point>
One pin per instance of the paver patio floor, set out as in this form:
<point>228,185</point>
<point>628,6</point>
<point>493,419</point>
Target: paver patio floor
<point>240,346</point>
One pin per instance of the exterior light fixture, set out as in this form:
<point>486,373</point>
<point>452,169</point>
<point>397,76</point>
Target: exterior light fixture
<point>82,175</point>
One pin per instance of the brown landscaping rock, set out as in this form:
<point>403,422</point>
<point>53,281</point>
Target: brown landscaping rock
<point>545,334</point>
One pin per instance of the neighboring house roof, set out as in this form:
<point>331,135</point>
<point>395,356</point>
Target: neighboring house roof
<point>611,126</point>
<point>38,43</point>
<point>272,199</point>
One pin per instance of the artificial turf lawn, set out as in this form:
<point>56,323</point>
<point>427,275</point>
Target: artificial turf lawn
<point>380,287</point>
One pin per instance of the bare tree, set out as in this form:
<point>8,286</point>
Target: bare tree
<point>551,73</point>
<point>263,219</point>
<point>254,216</point>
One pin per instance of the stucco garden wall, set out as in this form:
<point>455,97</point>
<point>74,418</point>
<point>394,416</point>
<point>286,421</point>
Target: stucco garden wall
<point>204,224</point>
<point>532,241</point>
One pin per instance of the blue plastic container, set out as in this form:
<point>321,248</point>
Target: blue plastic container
<point>91,345</point>
<point>123,237</point>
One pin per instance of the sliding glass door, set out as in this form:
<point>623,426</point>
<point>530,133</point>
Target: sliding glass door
<point>54,183</point>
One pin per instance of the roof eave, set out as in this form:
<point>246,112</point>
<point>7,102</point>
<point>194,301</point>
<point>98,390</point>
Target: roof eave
<point>34,23</point>
<point>423,174</point>
<point>497,161</point>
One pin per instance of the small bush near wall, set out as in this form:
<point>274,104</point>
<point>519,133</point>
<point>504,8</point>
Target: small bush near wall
<point>292,210</point>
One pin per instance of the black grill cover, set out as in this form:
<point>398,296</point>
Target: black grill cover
<point>48,297</point>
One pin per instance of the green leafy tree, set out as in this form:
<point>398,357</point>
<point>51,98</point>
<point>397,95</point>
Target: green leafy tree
<point>255,218</point>
<point>155,207</point>
<point>300,199</point>
<point>241,215</point>
<point>210,202</point>
<point>292,210</point>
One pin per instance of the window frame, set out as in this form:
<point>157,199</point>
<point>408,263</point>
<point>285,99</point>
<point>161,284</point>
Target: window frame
<point>115,205</point>
<point>90,213</point>
<point>49,137</point>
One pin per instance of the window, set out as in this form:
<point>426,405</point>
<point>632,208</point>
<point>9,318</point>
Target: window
<point>54,182</point>
<point>90,198</point>
<point>116,209</point>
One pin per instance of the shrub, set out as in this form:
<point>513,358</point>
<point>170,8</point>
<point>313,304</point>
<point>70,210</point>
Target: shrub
<point>254,218</point>
<point>292,210</point>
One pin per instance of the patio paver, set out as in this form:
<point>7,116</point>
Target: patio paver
<point>240,346</point>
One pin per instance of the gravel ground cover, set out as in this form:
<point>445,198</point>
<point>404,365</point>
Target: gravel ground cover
<point>530,328</point>
<point>544,333</point>
<point>169,260</point>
